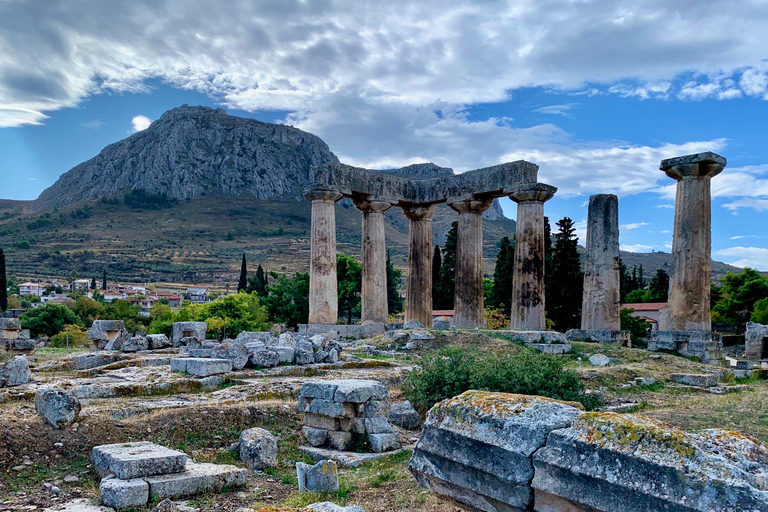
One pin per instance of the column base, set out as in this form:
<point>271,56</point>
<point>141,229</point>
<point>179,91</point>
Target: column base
<point>344,331</point>
<point>621,338</point>
<point>549,342</point>
<point>706,345</point>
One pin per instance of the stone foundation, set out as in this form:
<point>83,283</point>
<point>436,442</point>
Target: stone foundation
<point>707,346</point>
<point>621,338</point>
<point>756,341</point>
<point>344,331</point>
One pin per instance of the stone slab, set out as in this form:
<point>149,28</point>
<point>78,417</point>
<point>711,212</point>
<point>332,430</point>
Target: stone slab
<point>344,331</point>
<point>206,353</point>
<point>135,460</point>
<point>706,157</point>
<point>201,367</point>
<point>701,380</point>
<point>547,348</point>
<point>621,338</point>
<point>197,479</point>
<point>121,494</point>
<point>384,442</point>
<point>345,459</point>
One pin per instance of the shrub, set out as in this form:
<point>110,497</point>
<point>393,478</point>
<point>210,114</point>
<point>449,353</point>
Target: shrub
<point>48,319</point>
<point>77,337</point>
<point>453,370</point>
<point>637,327</point>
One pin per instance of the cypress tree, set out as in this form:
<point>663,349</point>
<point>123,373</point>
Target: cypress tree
<point>261,282</point>
<point>93,283</point>
<point>659,286</point>
<point>394,300</point>
<point>501,294</point>
<point>563,299</point>
<point>104,280</point>
<point>447,279</point>
<point>3,284</point>
<point>437,263</point>
<point>243,282</point>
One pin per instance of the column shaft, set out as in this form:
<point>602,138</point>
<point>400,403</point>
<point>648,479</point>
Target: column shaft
<point>418,295</point>
<point>374,251</point>
<point>600,305</point>
<point>323,291</point>
<point>468,297</point>
<point>528,285</point>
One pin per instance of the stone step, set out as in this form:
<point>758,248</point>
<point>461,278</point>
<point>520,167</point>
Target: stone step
<point>200,367</point>
<point>198,478</point>
<point>135,460</point>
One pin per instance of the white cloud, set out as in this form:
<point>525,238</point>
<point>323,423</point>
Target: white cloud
<point>754,257</point>
<point>140,123</point>
<point>95,124</point>
<point>636,248</point>
<point>560,110</point>
<point>633,225</point>
<point>32,179</point>
<point>739,237</point>
<point>670,206</point>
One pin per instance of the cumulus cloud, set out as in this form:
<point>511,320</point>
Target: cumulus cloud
<point>636,248</point>
<point>140,123</point>
<point>754,257</point>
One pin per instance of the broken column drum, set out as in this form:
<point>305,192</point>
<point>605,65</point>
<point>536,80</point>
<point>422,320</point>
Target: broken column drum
<point>689,288</point>
<point>468,297</point>
<point>323,301</point>
<point>601,299</point>
<point>418,288</point>
<point>374,250</point>
<point>528,285</point>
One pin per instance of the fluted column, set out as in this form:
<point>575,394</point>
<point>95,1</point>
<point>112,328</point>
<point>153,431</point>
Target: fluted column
<point>528,284</point>
<point>323,291</point>
<point>600,304</point>
<point>418,294</point>
<point>468,297</point>
<point>374,250</point>
<point>689,280</point>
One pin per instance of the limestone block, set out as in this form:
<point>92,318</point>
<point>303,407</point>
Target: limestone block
<point>327,506</point>
<point>305,352</point>
<point>265,337</point>
<point>258,448</point>
<point>422,335</point>
<point>21,343</point>
<point>359,391</point>
<point>548,348</point>
<point>135,344</point>
<point>121,494</point>
<point>403,415</point>
<point>621,338</point>
<point>476,448</point>
<point>548,337</point>
<point>188,330</point>
<point>96,359</point>
<point>285,354</point>
<point>136,460</point>
<point>253,346</point>
<point>702,380</point>
<point>621,462</point>
<point>286,340</point>
<point>197,479</point>
<point>441,322</point>
<point>158,341</point>
<point>201,367</point>
<point>333,356</point>
<point>199,352</point>
<point>212,382</point>
<point>339,440</point>
<point>396,335</point>
<point>318,421</point>
<point>322,477</point>
<point>16,371</point>
<point>320,356</point>
<point>384,442</point>
<point>234,351</point>
<point>318,340</point>
<point>10,324</point>
<point>103,332</point>
<point>330,409</point>
<point>58,407</point>
<point>264,359</point>
<point>323,389</point>
<point>755,338</point>
<point>599,360</point>
<point>413,324</point>
<point>315,436</point>
<point>371,409</point>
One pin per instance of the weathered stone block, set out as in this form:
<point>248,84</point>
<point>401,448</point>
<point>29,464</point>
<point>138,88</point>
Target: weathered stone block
<point>421,336</point>
<point>371,409</point>
<point>121,494</point>
<point>265,337</point>
<point>755,341</point>
<point>384,442</point>
<point>16,371</point>
<point>333,356</point>
<point>548,348</point>
<point>58,407</point>
<point>234,351</point>
<point>96,359</point>
<point>330,409</point>
<point>315,436</point>
<point>135,344</point>
<point>136,460</point>
<point>10,324</point>
<point>476,448</point>
<point>359,391</point>
<point>201,367</point>
<point>264,359</point>
<point>197,479</point>
<point>403,415</point>
<point>199,352</point>
<point>284,354</point>
<point>323,389</point>
<point>258,448</point>
<point>339,440</point>
<point>327,506</point>
<point>320,356</point>
<point>322,477</point>
<point>702,380</point>
<point>318,421</point>
<point>599,360</point>
<point>188,330</point>
<point>158,341</point>
<point>621,338</point>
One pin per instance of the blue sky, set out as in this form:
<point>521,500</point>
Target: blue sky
<point>596,92</point>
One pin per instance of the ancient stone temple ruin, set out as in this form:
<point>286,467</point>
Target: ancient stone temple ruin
<point>689,328</point>
<point>469,194</point>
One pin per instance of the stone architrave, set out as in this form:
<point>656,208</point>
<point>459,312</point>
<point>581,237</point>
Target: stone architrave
<point>689,280</point>
<point>323,292</point>
<point>418,293</point>
<point>374,250</point>
<point>528,286</point>
<point>601,300</point>
<point>468,296</point>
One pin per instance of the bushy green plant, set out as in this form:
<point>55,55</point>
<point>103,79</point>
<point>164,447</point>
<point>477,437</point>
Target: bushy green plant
<point>76,334</point>
<point>637,327</point>
<point>453,370</point>
<point>48,319</point>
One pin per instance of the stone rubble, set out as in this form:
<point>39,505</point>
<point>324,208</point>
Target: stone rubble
<point>258,448</point>
<point>15,372</point>
<point>58,407</point>
<point>322,477</point>
<point>339,412</point>
<point>403,415</point>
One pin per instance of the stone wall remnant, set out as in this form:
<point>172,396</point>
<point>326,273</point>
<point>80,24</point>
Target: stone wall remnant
<point>102,332</point>
<point>188,330</point>
<point>756,341</point>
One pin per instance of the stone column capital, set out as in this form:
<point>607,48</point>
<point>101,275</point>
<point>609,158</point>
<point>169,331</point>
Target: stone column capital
<point>372,205</point>
<point>471,205</point>
<point>533,193</point>
<point>419,211</point>
<point>700,165</point>
<point>322,194</point>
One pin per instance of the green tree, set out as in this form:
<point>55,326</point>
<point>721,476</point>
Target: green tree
<point>637,327</point>
<point>88,310</point>
<point>349,278</point>
<point>738,295</point>
<point>3,284</point>
<point>239,312</point>
<point>104,279</point>
<point>437,264</point>
<point>93,283</point>
<point>258,283</point>
<point>242,284</point>
<point>288,300</point>
<point>394,300</point>
<point>48,319</point>
<point>638,296</point>
<point>128,313</point>
<point>760,314</point>
<point>501,293</point>
<point>564,298</point>
<point>659,287</point>
<point>447,279</point>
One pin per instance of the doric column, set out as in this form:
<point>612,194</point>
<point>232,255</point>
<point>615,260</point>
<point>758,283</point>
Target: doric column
<point>374,250</point>
<point>323,292</point>
<point>418,294</point>
<point>600,304</point>
<point>689,279</point>
<point>528,285</point>
<point>468,297</point>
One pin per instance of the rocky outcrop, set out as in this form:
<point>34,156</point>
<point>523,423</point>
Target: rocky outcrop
<point>500,452</point>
